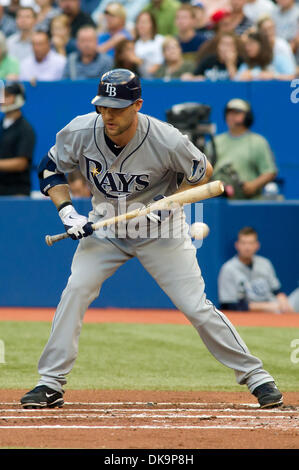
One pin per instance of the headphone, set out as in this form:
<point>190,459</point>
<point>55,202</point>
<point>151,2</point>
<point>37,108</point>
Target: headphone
<point>237,104</point>
<point>16,89</point>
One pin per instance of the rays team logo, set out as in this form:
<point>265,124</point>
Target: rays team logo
<point>110,89</point>
<point>114,184</point>
<point>197,171</point>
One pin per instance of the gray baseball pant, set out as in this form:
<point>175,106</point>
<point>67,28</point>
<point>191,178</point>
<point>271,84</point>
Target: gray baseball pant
<point>173,264</point>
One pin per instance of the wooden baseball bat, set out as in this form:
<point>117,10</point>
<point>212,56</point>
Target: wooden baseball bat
<point>195,194</point>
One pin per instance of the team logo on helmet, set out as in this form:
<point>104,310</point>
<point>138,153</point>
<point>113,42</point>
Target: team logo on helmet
<point>110,89</point>
<point>118,88</point>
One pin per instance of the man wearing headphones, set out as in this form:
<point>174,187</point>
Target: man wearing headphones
<point>243,160</point>
<point>17,140</point>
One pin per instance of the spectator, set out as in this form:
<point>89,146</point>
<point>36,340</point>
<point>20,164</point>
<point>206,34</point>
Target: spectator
<point>258,61</point>
<point>46,13</point>
<point>17,140</point>
<point>12,7</point>
<point>115,17</point>
<point>60,32</point>
<point>19,45</point>
<point>132,8</point>
<point>125,56</point>
<point>77,17</point>
<point>220,23</point>
<point>78,185</point>
<point>7,23</point>
<point>249,282</point>
<point>44,64</point>
<point>287,19</point>
<point>202,25</point>
<point>189,39</point>
<point>239,20</point>
<point>174,65</point>
<point>284,61</point>
<point>256,9</point>
<point>87,62</point>
<point>9,66</point>
<point>213,5</point>
<point>243,160</point>
<point>164,12</point>
<point>148,44</point>
<point>222,65</point>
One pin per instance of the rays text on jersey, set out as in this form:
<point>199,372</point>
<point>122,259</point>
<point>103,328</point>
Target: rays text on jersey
<point>114,184</point>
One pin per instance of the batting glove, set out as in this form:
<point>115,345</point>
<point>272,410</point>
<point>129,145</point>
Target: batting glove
<point>76,225</point>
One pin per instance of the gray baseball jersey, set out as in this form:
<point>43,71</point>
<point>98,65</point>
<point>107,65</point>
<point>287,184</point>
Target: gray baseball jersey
<point>257,283</point>
<point>146,167</point>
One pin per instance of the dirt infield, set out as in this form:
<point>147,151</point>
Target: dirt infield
<point>104,419</point>
<point>150,420</point>
<point>113,315</point>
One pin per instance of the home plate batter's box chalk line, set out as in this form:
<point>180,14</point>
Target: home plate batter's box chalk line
<point>58,426</point>
<point>147,403</point>
<point>146,416</point>
<point>154,406</point>
<point>166,426</point>
<point>151,411</point>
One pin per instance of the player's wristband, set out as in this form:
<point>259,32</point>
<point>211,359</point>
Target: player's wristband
<point>64,204</point>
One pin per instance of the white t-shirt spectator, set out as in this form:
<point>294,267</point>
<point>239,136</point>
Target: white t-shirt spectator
<point>49,69</point>
<point>150,52</point>
<point>283,55</point>
<point>287,23</point>
<point>255,10</point>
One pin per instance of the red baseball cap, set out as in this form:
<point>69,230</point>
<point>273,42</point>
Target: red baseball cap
<point>218,15</point>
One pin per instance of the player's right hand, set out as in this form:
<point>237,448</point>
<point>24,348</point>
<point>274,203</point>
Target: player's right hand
<point>76,225</point>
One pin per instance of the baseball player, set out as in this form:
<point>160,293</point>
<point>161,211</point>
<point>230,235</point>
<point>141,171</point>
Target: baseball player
<point>248,281</point>
<point>131,157</point>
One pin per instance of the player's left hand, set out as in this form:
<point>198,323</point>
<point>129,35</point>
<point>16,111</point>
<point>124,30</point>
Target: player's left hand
<point>76,225</point>
<point>159,215</point>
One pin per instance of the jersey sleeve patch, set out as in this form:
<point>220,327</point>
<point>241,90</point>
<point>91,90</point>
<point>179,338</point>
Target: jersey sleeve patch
<point>198,170</point>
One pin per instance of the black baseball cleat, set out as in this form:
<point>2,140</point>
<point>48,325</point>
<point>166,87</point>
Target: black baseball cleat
<point>42,397</point>
<point>268,395</point>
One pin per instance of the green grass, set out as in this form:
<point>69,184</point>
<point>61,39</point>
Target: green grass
<point>137,356</point>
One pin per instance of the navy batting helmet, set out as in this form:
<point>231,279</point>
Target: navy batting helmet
<point>118,88</point>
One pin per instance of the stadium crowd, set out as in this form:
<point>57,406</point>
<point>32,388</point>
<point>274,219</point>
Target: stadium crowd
<point>188,40</point>
<point>195,40</point>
